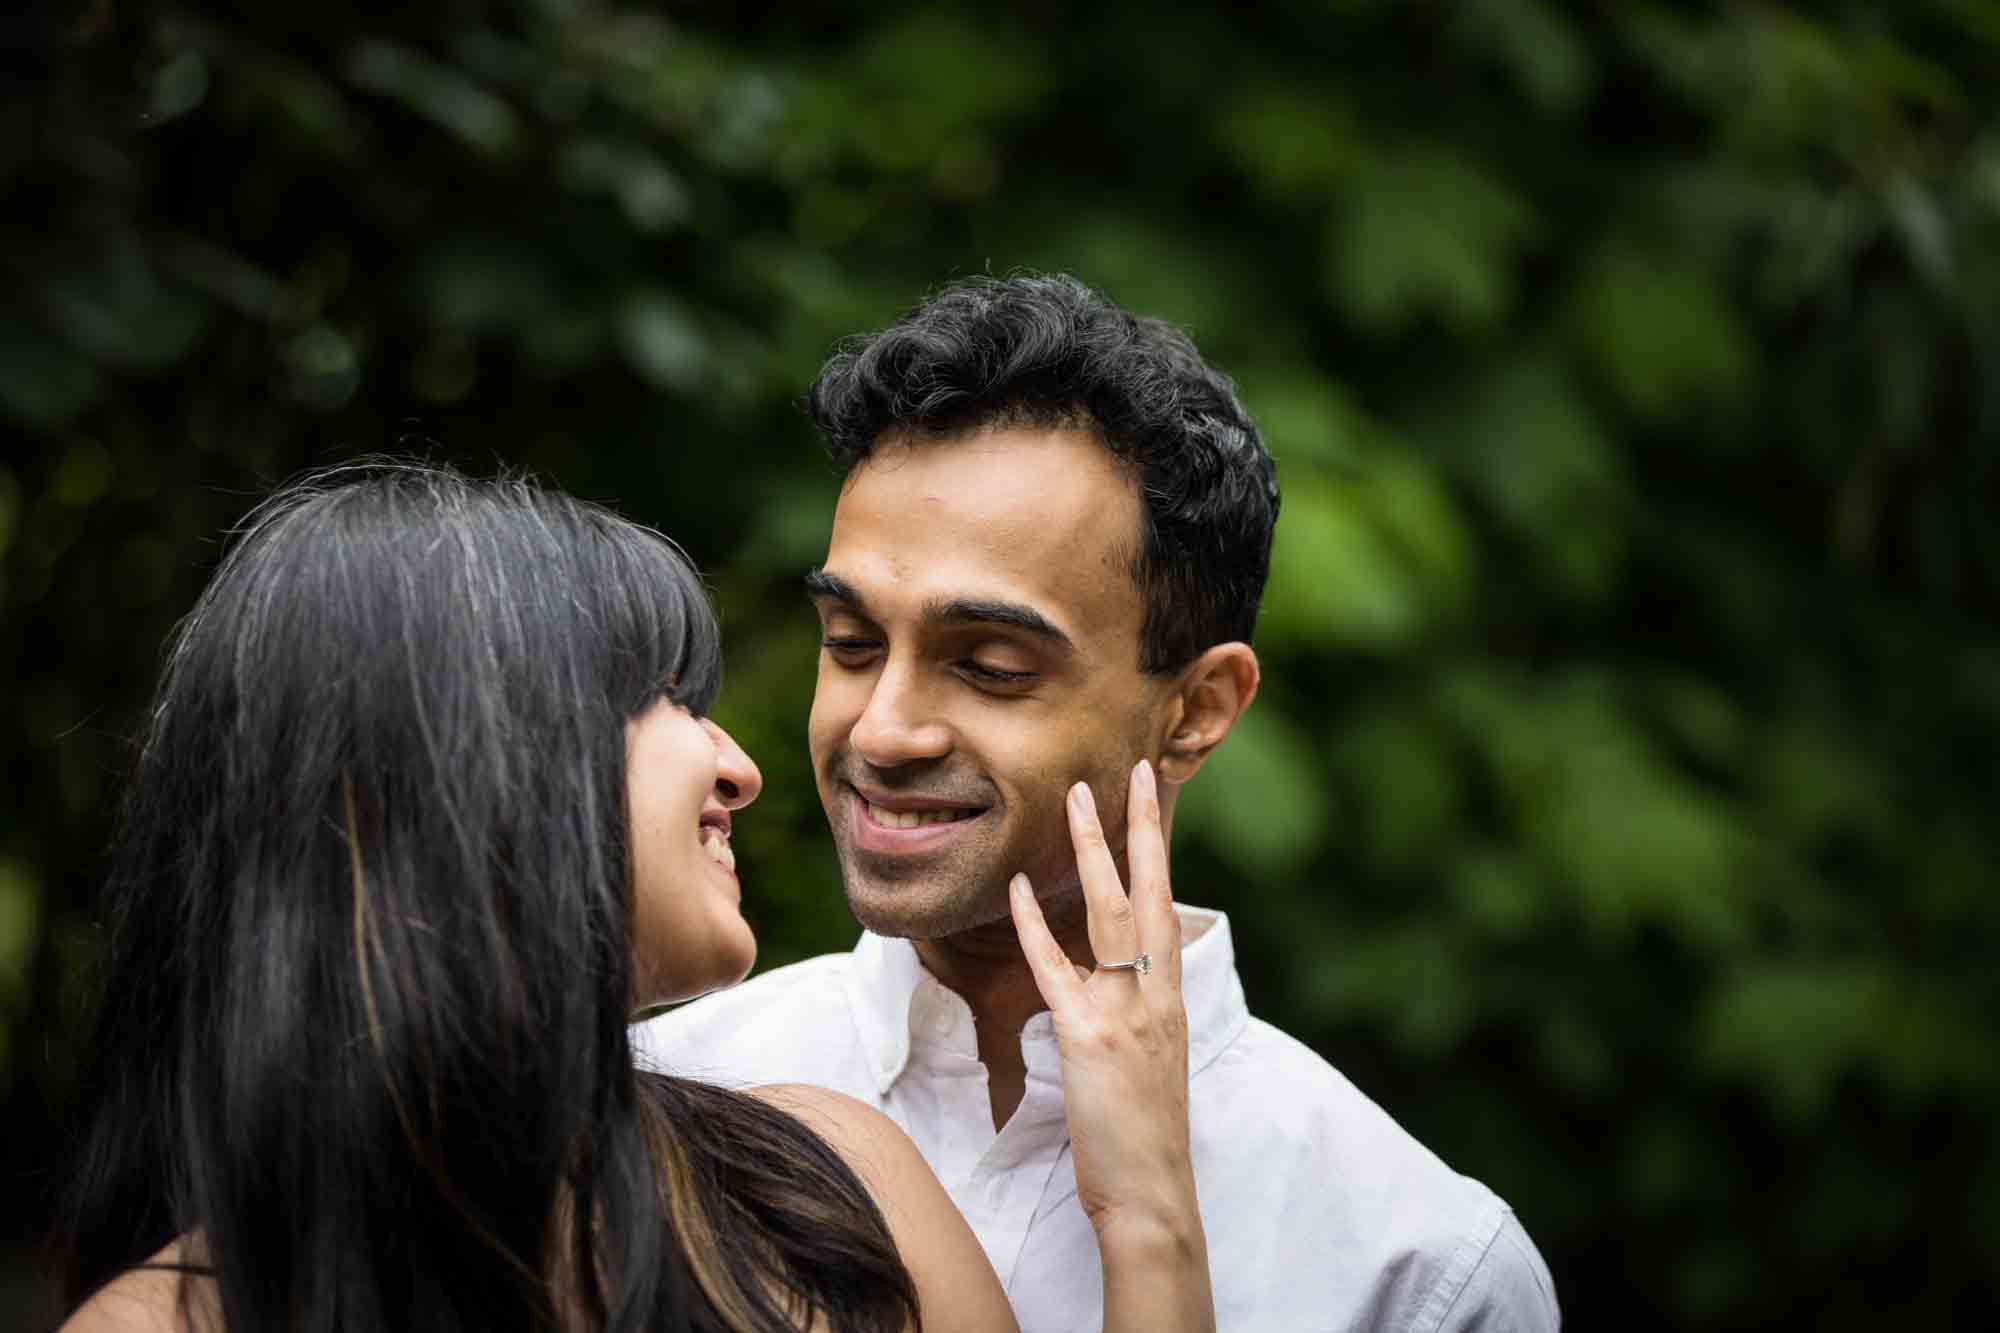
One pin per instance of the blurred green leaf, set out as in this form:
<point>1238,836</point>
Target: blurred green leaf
<point>325,368</point>
<point>1410,980</point>
<point>483,283</point>
<point>1296,142</point>
<point>1309,420</point>
<point>1659,333</point>
<point>661,340</point>
<point>436,92</point>
<point>1408,787</point>
<point>1794,1027</point>
<point>177,88</point>
<point>20,920</point>
<point>652,195</point>
<point>1258,799</point>
<point>43,385</point>
<point>1525,440</point>
<point>1425,231</point>
<point>1536,43</point>
<point>1701,717</point>
<point>1631,839</point>
<point>111,305</point>
<point>83,475</point>
<point>1499,893</point>
<point>1371,562</point>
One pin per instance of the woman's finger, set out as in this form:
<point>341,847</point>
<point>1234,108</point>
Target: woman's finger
<point>1055,975</point>
<point>1113,937</point>
<point>1158,930</point>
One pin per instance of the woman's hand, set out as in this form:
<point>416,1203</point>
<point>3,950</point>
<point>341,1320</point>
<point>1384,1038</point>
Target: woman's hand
<point>1123,1038</point>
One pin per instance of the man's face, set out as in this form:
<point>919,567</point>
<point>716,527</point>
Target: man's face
<point>981,654</point>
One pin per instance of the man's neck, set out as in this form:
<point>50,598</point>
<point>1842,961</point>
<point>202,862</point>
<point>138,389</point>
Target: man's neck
<point>985,967</point>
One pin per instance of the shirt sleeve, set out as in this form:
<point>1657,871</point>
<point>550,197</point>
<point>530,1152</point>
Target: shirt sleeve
<point>1508,1290</point>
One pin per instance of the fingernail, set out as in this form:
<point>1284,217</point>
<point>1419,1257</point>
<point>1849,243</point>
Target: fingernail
<point>1079,796</point>
<point>1143,776</point>
<point>1018,885</point>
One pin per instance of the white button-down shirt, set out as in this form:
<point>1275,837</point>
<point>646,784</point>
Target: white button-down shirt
<point>1321,1212</point>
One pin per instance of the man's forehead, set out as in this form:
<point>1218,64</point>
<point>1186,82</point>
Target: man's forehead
<point>997,478</point>
<point>1022,514</point>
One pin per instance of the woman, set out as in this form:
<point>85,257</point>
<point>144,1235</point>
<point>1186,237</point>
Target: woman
<point>428,806</point>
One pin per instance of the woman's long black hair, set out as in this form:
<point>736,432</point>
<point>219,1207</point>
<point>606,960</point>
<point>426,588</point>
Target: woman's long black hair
<point>363,1048</point>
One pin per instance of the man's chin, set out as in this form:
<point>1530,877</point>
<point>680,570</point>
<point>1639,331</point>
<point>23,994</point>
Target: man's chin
<point>919,911</point>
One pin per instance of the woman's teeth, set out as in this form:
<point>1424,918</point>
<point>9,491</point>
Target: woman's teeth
<point>716,843</point>
<point>915,818</point>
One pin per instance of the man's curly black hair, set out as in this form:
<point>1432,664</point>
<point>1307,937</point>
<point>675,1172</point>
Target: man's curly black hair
<point>1043,350</point>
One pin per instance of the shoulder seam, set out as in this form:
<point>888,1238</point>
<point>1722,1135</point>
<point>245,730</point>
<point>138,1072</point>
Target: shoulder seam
<point>1465,1260</point>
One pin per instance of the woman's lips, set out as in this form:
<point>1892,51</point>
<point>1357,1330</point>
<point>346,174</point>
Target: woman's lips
<point>715,842</point>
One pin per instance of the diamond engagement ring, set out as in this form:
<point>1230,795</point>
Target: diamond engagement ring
<point>1142,965</point>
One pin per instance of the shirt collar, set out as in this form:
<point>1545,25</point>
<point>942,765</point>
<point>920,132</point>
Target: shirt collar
<point>888,986</point>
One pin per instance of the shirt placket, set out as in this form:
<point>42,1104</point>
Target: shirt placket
<point>941,1099</point>
<point>1015,1172</point>
<point>943,1102</point>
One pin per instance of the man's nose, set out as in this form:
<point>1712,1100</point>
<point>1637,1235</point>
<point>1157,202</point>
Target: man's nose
<point>900,723</point>
<point>737,779</point>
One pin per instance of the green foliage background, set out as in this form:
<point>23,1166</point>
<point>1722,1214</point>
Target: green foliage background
<point>1618,811</point>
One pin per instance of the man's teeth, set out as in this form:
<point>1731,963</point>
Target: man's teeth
<point>915,818</point>
<point>716,843</point>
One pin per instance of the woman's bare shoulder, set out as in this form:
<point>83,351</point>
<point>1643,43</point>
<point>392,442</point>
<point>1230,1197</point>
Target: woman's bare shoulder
<point>870,1142</point>
<point>145,1299</point>
<point>956,1285</point>
<point>874,1147</point>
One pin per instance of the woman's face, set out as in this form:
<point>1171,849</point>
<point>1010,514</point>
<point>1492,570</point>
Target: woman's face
<point>684,779</point>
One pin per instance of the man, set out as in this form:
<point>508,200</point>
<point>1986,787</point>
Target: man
<point>1045,565</point>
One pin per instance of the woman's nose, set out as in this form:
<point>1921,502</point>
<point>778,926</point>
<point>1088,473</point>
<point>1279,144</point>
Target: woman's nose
<point>737,780</point>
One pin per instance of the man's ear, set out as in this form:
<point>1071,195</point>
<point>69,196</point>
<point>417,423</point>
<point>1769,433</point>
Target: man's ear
<point>1214,690</point>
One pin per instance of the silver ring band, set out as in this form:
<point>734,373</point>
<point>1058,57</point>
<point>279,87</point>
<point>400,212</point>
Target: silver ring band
<point>1142,965</point>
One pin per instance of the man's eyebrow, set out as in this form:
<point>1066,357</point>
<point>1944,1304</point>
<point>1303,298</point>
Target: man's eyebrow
<point>824,587</point>
<point>981,611</point>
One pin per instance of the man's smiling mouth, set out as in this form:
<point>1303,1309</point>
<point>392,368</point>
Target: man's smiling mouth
<point>898,822</point>
<point>888,818</point>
